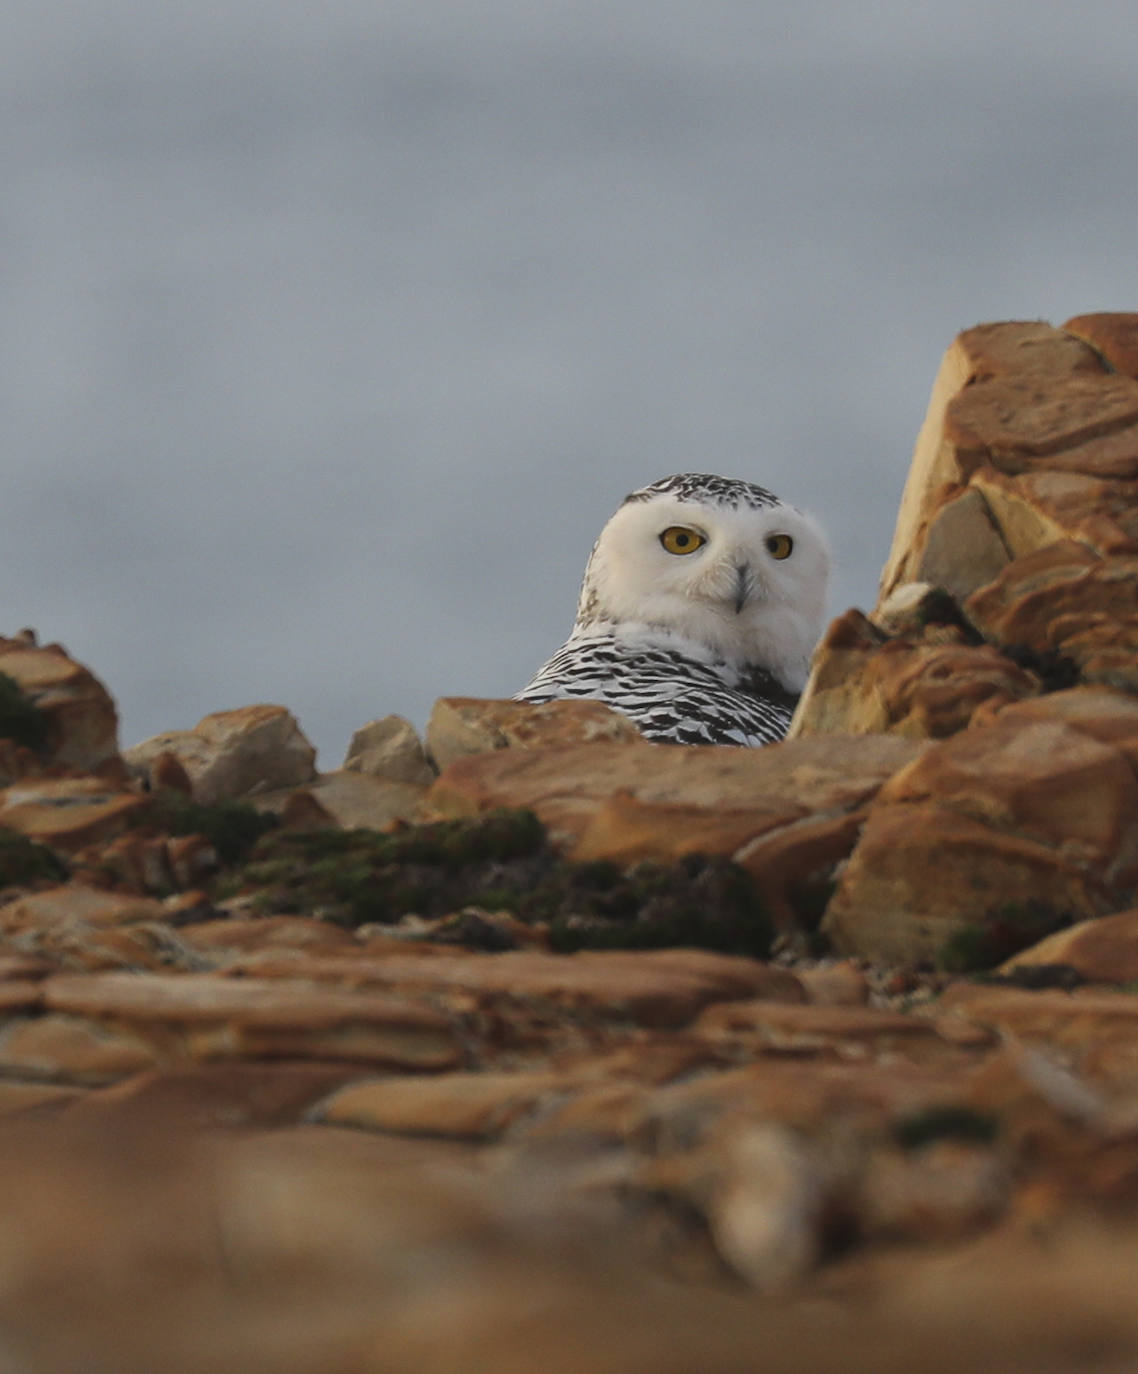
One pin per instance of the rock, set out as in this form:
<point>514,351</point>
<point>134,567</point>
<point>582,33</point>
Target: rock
<point>347,799</point>
<point>233,753</point>
<point>653,988</point>
<point>69,1049</point>
<point>1100,951</point>
<point>464,1106</point>
<point>865,683</point>
<point>389,748</point>
<point>1003,390</point>
<point>211,1018</point>
<point>1114,337</point>
<point>1066,601</point>
<point>68,813</point>
<point>82,724</point>
<point>468,725</point>
<point>787,813</point>
<point>924,876</point>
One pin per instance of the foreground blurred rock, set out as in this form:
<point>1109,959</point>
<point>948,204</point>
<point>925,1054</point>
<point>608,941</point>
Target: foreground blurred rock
<point>295,1077</point>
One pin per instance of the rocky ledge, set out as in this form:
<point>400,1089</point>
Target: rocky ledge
<point>534,1045</point>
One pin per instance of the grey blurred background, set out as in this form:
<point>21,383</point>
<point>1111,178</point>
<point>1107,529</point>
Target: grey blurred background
<point>330,334</point>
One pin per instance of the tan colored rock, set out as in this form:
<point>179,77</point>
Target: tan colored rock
<point>1040,780</point>
<point>464,1106</point>
<point>927,685</point>
<point>923,872</point>
<point>978,356</point>
<point>347,799</point>
<point>195,1097</point>
<point>68,813</point>
<point>235,936</point>
<point>71,905</point>
<point>389,748</point>
<point>851,1032</point>
<point>654,988</point>
<point>469,725</point>
<point>1094,1030</point>
<point>82,722</point>
<point>964,546</point>
<point>567,786</point>
<point>1066,600</point>
<point>1101,951</point>
<point>214,1018</point>
<point>234,753</point>
<point>70,1049</point>
<point>1113,336</point>
<point>839,984</point>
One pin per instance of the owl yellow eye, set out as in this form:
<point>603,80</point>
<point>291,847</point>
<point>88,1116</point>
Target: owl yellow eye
<point>679,539</point>
<point>780,545</point>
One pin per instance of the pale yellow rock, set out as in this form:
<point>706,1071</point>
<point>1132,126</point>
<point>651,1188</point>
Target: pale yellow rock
<point>389,748</point>
<point>352,799</point>
<point>460,726</point>
<point>965,547</point>
<point>234,753</point>
<point>81,716</point>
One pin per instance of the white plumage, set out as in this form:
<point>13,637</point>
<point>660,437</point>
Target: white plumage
<point>701,604</point>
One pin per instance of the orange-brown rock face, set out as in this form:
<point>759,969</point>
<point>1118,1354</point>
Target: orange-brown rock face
<point>82,725</point>
<point>309,1122</point>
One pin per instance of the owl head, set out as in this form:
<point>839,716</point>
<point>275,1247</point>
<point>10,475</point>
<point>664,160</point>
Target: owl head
<point>721,563</point>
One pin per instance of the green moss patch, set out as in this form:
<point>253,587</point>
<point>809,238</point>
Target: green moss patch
<point>24,861</point>
<point>502,862</point>
<point>232,827</point>
<point>1013,927</point>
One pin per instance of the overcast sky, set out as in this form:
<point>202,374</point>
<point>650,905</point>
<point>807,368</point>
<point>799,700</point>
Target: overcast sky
<point>330,334</point>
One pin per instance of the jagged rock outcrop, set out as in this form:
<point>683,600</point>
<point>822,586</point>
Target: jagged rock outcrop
<point>294,1063</point>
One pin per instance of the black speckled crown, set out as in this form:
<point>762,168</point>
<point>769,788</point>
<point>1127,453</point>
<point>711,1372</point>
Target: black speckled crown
<point>705,486</point>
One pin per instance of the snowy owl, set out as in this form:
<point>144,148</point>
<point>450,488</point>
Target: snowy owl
<point>701,604</point>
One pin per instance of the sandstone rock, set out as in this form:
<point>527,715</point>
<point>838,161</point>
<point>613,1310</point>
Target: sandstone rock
<point>653,988</point>
<point>234,753</point>
<point>68,813</point>
<point>864,683</point>
<point>81,717</point>
<point>1095,1031</point>
<point>787,812</point>
<point>976,356</point>
<point>468,725</point>
<point>196,1097</point>
<point>1065,600</point>
<point>70,1049</point>
<point>1101,951</point>
<point>849,1032</point>
<point>389,748</point>
<point>466,1106</point>
<point>1113,336</point>
<point>214,1018</point>
<point>348,799</point>
<point>922,873</point>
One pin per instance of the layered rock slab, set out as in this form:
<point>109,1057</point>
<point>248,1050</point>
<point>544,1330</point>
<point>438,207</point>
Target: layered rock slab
<point>784,812</point>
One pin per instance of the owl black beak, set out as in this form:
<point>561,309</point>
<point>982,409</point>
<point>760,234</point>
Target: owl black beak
<point>743,584</point>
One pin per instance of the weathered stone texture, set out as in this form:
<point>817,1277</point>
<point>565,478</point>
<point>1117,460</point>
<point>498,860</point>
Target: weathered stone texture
<point>460,726</point>
<point>234,753</point>
<point>311,1148</point>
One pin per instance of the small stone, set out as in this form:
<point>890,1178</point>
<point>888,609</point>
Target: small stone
<point>468,725</point>
<point>389,748</point>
